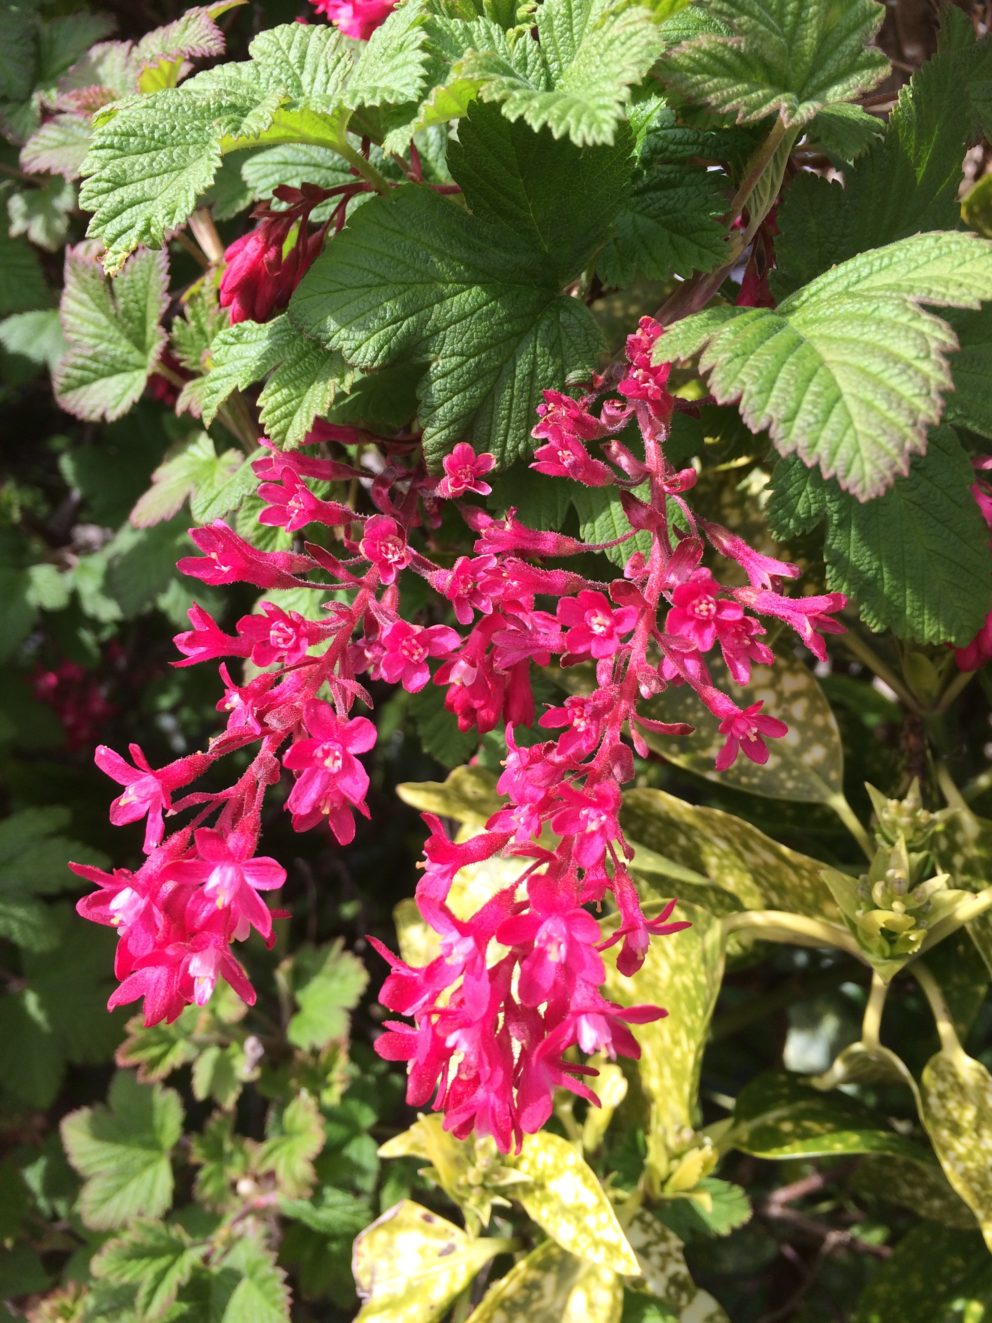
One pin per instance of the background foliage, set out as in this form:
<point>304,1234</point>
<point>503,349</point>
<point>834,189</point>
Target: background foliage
<point>774,1155</point>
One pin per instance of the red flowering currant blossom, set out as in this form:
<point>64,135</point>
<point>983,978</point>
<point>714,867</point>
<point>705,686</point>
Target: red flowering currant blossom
<point>355,18</point>
<point>513,988</point>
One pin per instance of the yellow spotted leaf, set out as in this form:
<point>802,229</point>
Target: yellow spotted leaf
<point>681,973</point>
<point>468,795</point>
<point>666,1277</point>
<point>957,1112</point>
<point>410,1264</point>
<point>564,1197</point>
<point>725,854</point>
<point>552,1284</point>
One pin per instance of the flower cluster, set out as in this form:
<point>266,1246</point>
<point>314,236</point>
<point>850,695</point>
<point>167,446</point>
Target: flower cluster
<point>492,1020</point>
<point>355,18</point>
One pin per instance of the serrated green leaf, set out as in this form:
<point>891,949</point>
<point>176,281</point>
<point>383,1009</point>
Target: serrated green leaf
<point>788,58</point>
<point>437,729</point>
<point>327,983</point>
<point>36,336</point>
<point>189,466</point>
<point>219,1074</point>
<point>42,214</point>
<point>24,921</point>
<point>564,1197</point>
<point>59,147</point>
<point>577,78</point>
<point>222,1158</point>
<point>156,1257</point>
<point>602,520</point>
<point>333,1213</point>
<point>22,282</point>
<point>159,1049</point>
<point>19,51</point>
<point>956,1096</point>
<point>410,1265</point>
<point>849,371</point>
<point>293,163</point>
<point>906,182</point>
<point>714,1208</point>
<point>969,404</point>
<point>550,1283</point>
<point>123,1150</point>
<point>295,1137</point>
<point>935,1275</point>
<point>682,974</point>
<point>140,564</point>
<point>247,1284</point>
<point>916,559</point>
<point>705,850</point>
<point>62,39</point>
<point>113,333</point>
<point>781,1116</point>
<point>415,276</point>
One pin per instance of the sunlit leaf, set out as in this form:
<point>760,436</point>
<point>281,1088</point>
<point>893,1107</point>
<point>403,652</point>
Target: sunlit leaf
<point>957,1112</point>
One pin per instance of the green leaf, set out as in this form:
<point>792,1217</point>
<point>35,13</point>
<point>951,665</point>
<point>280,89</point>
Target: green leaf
<point>294,164</point>
<point>550,1283</point>
<point>681,973</point>
<point>714,1208</point>
<point>24,921</point>
<point>577,79</point>
<point>672,220</point>
<point>219,1073</point>
<point>36,336</point>
<point>709,850</point>
<point>410,1265</point>
<point>113,333</point>
<point>780,1116</point>
<point>18,51</point>
<point>906,182</point>
<point>788,58</point>
<point>222,1158</point>
<point>330,1212</point>
<point>916,559</point>
<point>295,1137</point>
<point>42,214</point>
<point>969,404</point>
<point>303,377</point>
<point>845,132</point>
<point>123,1150</point>
<point>935,1275</point>
<point>565,1199</point>
<point>415,276</point>
<point>327,982</point>
<point>159,1049</point>
<point>22,282</point>
<point>848,372</point>
<point>59,147</point>
<point>919,1187</point>
<point>437,729</point>
<point>956,1095</point>
<point>156,1257</point>
<point>190,466</point>
<point>468,795</point>
<point>247,1284</point>
<point>231,482</point>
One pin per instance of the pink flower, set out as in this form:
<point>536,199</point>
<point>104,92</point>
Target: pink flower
<point>589,817</point>
<point>406,649</point>
<point>290,504</point>
<point>567,457</point>
<point>808,616</point>
<point>229,878</point>
<point>699,615</point>
<point>258,279</point>
<point>561,417</point>
<point>557,945</point>
<point>230,559</point>
<point>464,471</point>
<point>746,730</point>
<point>277,635</point>
<point>596,629</point>
<point>384,544</point>
<point>331,780</point>
<point>355,18</point>
<point>206,640</point>
<point>462,586</point>
<point>148,792</point>
<point>180,974</point>
<point>979,651</point>
<point>582,716</point>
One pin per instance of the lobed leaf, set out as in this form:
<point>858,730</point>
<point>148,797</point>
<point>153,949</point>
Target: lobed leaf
<point>848,372</point>
<point>156,1257</point>
<point>788,58</point>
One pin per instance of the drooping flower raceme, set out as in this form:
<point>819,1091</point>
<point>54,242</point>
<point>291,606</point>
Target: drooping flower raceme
<point>488,1026</point>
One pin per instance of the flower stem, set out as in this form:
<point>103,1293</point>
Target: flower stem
<point>849,818</point>
<point>872,1021</point>
<point>870,658</point>
<point>943,1019</point>
<point>362,167</point>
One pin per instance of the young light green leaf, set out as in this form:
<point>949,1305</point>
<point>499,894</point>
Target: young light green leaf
<point>781,1116</point>
<point>156,1257</point>
<point>956,1094</point>
<point>327,982</point>
<point>123,1150</point>
<point>113,333</point>
<point>410,1264</point>
<point>578,77</point>
<point>788,58</point>
<point>550,1283</point>
<point>848,373</point>
<point>295,1137</point>
<point>246,1283</point>
<point>189,466</point>
<point>915,559</point>
<point>219,1073</point>
<point>159,1049</point>
<point>564,1197</point>
<point>36,336</point>
<point>414,276</point>
<point>42,214</point>
<point>468,795</point>
<point>705,852</point>
<point>681,973</point>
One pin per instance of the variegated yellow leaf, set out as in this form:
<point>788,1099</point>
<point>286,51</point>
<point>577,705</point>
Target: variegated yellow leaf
<point>957,1112</point>
<point>552,1284</point>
